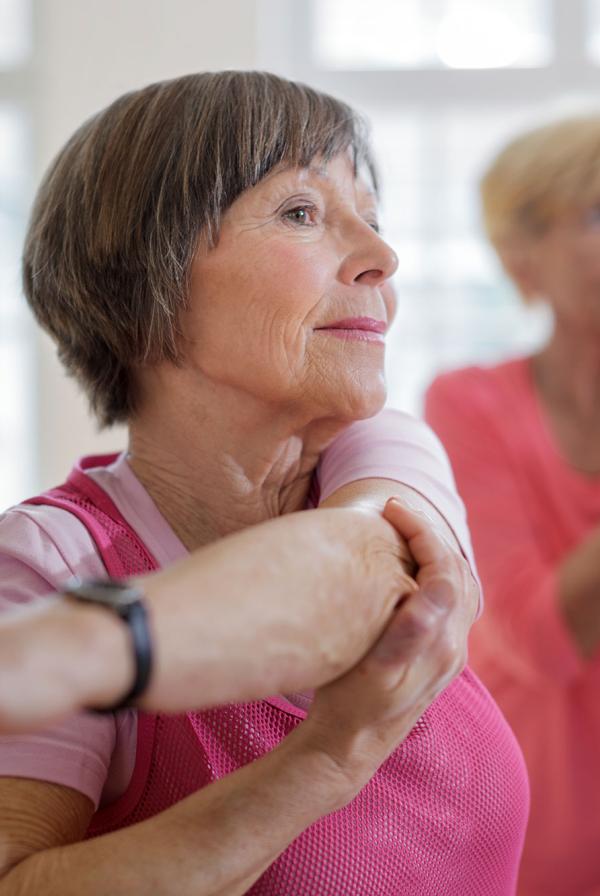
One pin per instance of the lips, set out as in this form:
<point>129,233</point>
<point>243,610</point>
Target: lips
<point>365,324</point>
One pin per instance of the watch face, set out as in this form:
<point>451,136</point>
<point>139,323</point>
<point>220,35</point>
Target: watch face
<point>109,592</point>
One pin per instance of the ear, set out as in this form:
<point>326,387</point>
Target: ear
<point>520,263</point>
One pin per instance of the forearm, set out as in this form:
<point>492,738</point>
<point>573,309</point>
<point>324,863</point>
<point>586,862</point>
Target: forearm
<point>214,843</point>
<point>316,584</point>
<point>234,621</point>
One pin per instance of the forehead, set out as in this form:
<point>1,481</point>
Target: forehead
<point>335,175</point>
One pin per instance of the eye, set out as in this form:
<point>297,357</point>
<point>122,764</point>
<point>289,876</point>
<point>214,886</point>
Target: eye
<point>302,215</point>
<point>374,225</point>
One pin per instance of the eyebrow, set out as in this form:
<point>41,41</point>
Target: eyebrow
<point>322,172</point>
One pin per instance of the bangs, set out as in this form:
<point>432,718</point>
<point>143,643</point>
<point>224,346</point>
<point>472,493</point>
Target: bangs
<point>257,122</point>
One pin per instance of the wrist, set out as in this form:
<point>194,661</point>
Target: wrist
<point>341,763</point>
<point>106,667</point>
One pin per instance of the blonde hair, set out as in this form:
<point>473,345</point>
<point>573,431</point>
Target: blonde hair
<point>538,177</point>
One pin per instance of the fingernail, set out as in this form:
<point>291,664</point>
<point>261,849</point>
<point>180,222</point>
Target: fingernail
<point>395,501</point>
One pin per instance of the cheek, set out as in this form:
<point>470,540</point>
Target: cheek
<point>296,273</point>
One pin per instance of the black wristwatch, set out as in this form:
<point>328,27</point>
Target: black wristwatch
<point>128,604</point>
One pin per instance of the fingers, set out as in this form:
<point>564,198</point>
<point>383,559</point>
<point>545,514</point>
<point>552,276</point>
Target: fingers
<point>411,630</point>
<point>383,697</point>
<point>444,574</point>
<point>415,658</point>
<point>426,546</point>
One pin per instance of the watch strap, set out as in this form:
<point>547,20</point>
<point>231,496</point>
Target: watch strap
<point>135,615</point>
<point>128,603</point>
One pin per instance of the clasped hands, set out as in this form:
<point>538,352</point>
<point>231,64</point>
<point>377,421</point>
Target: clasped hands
<point>372,613</point>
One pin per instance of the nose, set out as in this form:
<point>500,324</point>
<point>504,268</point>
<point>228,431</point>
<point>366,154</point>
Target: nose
<point>370,261</point>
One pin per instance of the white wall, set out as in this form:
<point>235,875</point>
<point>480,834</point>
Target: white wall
<point>87,53</point>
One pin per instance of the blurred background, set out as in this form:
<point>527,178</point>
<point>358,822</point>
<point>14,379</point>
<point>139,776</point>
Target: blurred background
<point>444,83</point>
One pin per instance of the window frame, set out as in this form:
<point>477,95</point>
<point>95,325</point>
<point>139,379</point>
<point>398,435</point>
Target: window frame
<point>285,47</point>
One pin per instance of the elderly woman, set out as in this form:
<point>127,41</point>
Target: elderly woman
<point>205,253</point>
<point>524,440</point>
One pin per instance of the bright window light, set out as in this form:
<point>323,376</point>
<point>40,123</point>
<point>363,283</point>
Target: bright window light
<point>15,32</point>
<point>454,304</point>
<point>593,30</point>
<point>464,34</point>
<point>16,361</point>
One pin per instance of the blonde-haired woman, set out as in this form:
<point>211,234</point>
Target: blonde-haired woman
<point>524,440</point>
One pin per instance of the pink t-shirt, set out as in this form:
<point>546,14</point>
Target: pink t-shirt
<point>42,547</point>
<point>527,509</point>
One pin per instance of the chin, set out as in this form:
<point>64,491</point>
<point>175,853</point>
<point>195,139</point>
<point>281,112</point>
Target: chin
<point>363,400</point>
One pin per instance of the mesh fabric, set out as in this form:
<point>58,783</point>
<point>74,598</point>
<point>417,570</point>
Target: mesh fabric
<point>443,816</point>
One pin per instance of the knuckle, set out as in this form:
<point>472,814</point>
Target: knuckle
<point>417,623</point>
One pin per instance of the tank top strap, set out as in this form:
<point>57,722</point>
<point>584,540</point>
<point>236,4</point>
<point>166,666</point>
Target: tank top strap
<point>121,550</point>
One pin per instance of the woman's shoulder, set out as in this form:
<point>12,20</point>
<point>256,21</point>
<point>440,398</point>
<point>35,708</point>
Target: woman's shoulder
<point>378,446</point>
<point>41,548</point>
<point>389,423</point>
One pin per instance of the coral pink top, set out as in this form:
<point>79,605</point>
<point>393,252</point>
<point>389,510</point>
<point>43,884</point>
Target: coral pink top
<point>527,508</point>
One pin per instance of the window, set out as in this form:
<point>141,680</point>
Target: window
<point>430,34</point>
<point>16,357</point>
<point>593,31</point>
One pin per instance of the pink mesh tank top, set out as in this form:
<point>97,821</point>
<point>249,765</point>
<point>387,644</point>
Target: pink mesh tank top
<point>445,815</point>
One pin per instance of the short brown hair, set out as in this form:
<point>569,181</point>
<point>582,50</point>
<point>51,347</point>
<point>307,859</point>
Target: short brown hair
<point>118,217</point>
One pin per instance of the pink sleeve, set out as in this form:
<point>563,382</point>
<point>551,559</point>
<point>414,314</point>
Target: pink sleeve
<point>522,633</point>
<point>393,445</point>
<point>76,753</point>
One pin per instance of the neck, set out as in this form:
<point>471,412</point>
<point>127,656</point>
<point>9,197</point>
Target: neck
<point>567,373</point>
<point>224,461</point>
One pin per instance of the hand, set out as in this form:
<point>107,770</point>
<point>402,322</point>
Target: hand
<point>440,561</point>
<point>360,718</point>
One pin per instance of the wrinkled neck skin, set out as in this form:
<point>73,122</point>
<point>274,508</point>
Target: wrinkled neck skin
<point>221,460</point>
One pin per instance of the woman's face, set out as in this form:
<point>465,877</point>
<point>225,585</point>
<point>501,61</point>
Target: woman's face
<point>292,304</point>
<point>566,269</point>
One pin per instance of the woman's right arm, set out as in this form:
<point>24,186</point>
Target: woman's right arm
<point>336,572</point>
<point>219,840</point>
